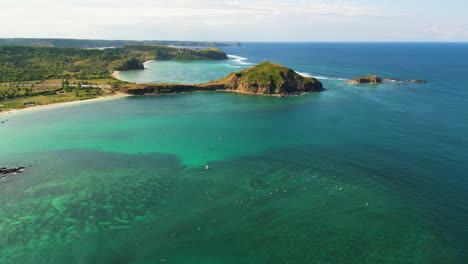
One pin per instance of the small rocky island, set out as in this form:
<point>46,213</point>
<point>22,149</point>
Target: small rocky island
<point>369,79</point>
<point>4,171</point>
<point>374,79</point>
<point>265,78</point>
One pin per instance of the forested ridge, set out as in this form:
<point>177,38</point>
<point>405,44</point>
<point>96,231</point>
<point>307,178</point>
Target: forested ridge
<point>100,43</point>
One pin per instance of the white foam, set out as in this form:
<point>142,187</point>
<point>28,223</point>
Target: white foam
<point>323,78</point>
<point>240,60</point>
<point>145,64</point>
<point>304,74</point>
<point>329,78</point>
<point>319,77</point>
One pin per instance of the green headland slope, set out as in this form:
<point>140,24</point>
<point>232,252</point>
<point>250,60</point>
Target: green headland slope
<point>265,78</point>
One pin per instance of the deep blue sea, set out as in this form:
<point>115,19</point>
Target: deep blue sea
<point>355,174</point>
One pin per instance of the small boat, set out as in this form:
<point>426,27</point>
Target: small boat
<point>207,167</point>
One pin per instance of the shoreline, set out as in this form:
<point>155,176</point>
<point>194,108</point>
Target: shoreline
<point>115,74</point>
<point>227,91</point>
<point>146,62</point>
<point>39,107</point>
<point>121,95</point>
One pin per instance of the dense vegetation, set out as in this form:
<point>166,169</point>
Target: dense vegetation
<point>20,63</point>
<point>91,43</point>
<point>158,52</point>
<point>16,90</point>
<point>14,95</point>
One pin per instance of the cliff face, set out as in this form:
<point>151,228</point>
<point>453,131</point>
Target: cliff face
<point>269,79</point>
<point>370,79</point>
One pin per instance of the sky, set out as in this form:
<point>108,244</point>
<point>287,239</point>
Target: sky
<point>237,20</point>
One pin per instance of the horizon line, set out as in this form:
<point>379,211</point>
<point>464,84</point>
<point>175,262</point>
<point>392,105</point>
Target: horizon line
<point>250,41</point>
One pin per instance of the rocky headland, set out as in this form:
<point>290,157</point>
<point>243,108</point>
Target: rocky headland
<point>265,78</point>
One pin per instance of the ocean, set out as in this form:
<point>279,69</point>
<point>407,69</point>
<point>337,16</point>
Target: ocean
<point>355,174</point>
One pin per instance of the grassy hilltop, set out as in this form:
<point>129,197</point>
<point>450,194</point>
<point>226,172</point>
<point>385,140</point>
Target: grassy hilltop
<point>269,78</point>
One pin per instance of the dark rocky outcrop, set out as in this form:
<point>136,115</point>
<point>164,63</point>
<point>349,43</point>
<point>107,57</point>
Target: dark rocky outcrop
<point>374,79</point>
<point>370,79</point>
<point>417,81</point>
<point>4,171</point>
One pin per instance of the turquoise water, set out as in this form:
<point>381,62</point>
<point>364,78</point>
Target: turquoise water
<point>369,174</point>
<point>185,72</point>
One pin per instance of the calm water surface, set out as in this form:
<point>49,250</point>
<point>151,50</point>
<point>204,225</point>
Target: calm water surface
<point>356,174</point>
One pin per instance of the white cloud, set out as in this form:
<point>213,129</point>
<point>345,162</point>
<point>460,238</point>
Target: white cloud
<point>201,19</point>
<point>448,33</point>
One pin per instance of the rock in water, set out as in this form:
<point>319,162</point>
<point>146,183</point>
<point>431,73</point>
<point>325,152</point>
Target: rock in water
<point>4,171</point>
<point>370,79</point>
<point>417,81</point>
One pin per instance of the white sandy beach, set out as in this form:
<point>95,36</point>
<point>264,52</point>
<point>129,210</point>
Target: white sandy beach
<point>146,63</point>
<point>115,74</point>
<point>37,107</point>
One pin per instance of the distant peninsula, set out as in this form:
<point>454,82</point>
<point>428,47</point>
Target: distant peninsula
<point>96,43</point>
<point>265,78</point>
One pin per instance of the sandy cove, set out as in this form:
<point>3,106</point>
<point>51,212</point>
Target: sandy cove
<point>115,74</point>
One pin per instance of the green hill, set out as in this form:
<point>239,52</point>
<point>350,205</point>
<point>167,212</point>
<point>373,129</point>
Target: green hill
<point>269,78</point>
